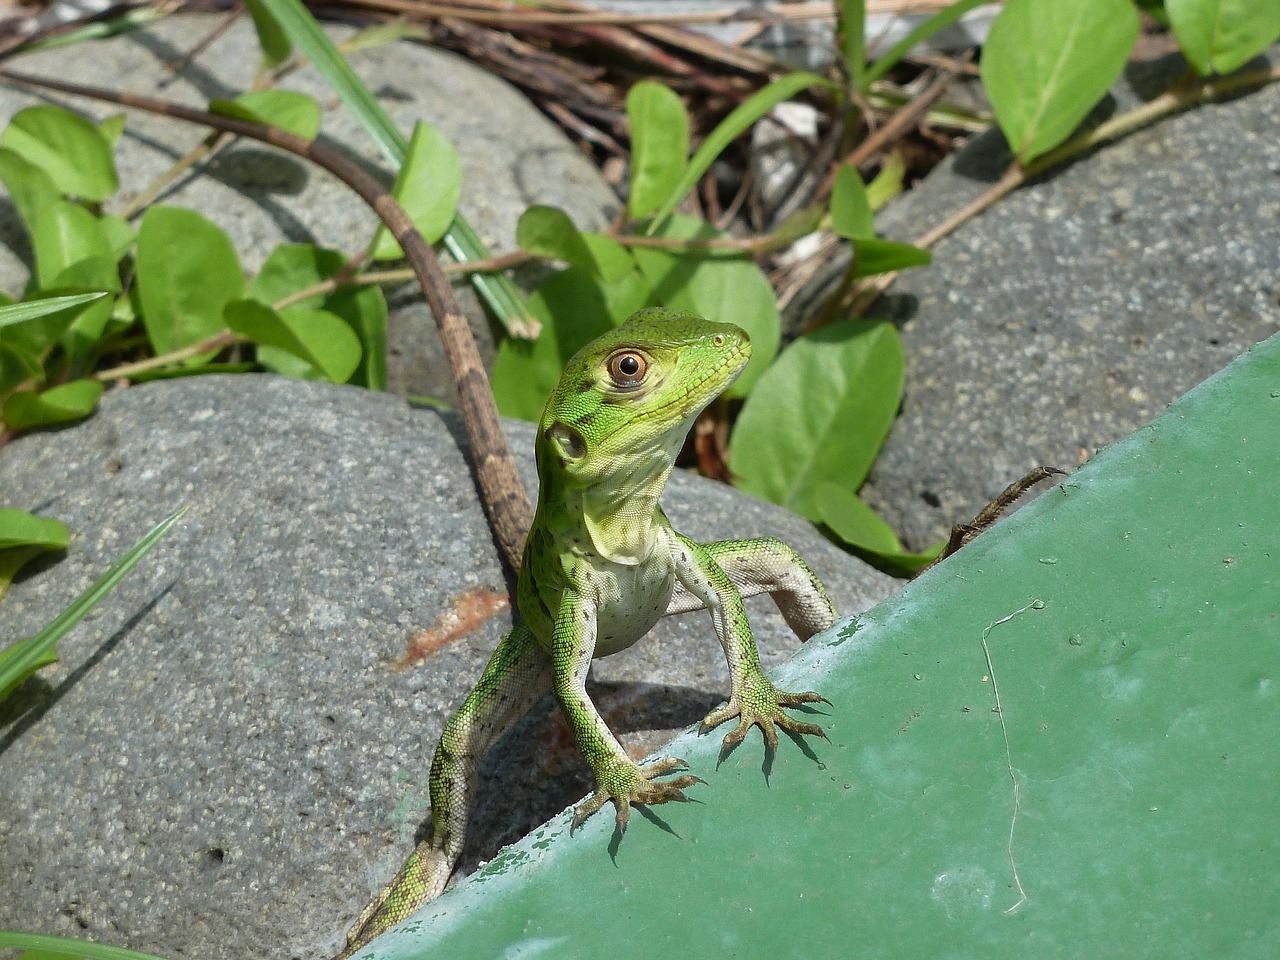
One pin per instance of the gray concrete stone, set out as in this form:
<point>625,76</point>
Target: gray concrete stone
<point>227,762</point>
<point>1074,310</point>
<point>512,156</point>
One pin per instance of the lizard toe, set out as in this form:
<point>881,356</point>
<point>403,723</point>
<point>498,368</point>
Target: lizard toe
<point>716,717</point>
<point>661,766</point>
<point>624,783</point>
<point>796,699</point>
<point>587,808</point>
<point>792,725</point>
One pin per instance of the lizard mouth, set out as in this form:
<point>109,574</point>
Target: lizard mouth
<point>698,394</point>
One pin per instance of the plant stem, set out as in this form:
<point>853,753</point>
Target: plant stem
<point>184,163</point>
<point>217,342</point>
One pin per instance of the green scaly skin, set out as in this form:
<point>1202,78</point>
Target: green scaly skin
<point>601,566</point>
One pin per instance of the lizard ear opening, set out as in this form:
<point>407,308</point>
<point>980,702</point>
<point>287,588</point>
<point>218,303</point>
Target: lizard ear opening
<point>568,441</point>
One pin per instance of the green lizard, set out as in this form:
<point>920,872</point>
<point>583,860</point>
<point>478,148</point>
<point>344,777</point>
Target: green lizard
<point>601,566</point>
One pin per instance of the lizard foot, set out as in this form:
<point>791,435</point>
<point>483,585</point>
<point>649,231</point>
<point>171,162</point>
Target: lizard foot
<point>759,704</point>
<point>625,783</point>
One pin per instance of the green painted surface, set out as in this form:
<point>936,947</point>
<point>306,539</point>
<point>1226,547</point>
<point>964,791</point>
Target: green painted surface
<point>1132,622</point>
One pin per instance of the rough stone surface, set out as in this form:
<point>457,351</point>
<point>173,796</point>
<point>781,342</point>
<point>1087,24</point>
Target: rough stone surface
<point>1074,310</point>
<point>511,157</point>
<point>228,762</point>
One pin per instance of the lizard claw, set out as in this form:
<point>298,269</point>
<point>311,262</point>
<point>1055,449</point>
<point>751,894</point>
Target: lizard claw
<point>625,783</point>
<point>759,704</point>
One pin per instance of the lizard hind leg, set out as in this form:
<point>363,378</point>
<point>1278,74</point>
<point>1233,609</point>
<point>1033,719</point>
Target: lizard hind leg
<point>518,673</point>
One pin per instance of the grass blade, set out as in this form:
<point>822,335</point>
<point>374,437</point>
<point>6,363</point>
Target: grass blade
<point>68,947</point>
<point>939,21</point>
<point>303,30</point>
<point>28,654</point>
<point>30,309</point>
<point>742,116</point>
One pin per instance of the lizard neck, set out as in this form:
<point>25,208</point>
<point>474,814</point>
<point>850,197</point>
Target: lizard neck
<point>615,517</point>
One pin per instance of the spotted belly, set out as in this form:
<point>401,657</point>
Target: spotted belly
<point>631,600</point>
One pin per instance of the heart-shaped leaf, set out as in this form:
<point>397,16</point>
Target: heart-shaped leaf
<point>819,414</point>
<point>324,342</point>
<point>1046,64</point>
<point>61,404</point>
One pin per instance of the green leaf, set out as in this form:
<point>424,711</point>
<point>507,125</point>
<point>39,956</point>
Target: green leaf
<point>383,34</point>
<point>17,364</point>
<point>187,272</point>
<point>109,26</point>
<point>428,186</point>
<point>850,209</point>
<point>819,414</point>
<point>803,222</point>
<point>323,335</point>
<point>66,233</point>
<point>728,130</point>
<point>323,341</point>
<point>20,660</point>
<point>365,311</point>
<point>21,529</point>
<point>61,404</point>
<point>15,313</point>
<point>23,537</point>
<point>573,307</point>
<point>548,232</point>
<point>612,261</point>
<point>112,129</point>
<point>291,268</point>
<point>70,149</point>
<point>659,145</point>
<point>717,286</point>
<point>462,242</point>
<point>31,189</point>
<point>36,336</point>
<point>89,323</point>
<point>851,32</point>
<point>885,256</point>
<point>852,520</point>
<point>1222,35</point>
<point>286,110</point>
<point>271,37</point>
<point>1046,63</point>
<point>887,183</point>
<point>939,21</point>
<point>849,518</point>
<point>120,235</point>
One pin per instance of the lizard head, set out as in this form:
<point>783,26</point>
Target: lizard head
<point>628,398</point>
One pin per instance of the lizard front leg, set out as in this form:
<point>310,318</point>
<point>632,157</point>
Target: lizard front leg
<point>767,565</point>
<point>753,699</point>
<point>518,673</point>
<point>618,778</point>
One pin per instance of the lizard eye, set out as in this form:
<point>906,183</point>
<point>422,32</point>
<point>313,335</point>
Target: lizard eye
<point>627,368</point>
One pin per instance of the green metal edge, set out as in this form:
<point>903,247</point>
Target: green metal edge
<point>1129,622</point>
